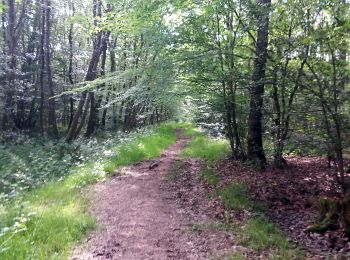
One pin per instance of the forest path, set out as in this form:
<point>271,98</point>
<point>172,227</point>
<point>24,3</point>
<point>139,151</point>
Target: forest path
<point>140,217</point>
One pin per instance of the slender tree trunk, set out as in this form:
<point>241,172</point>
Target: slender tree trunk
<point>51,123</point>
<point>227,117</point>
<point>11,41</point>
<point>42,69</point>
<point>255,149</point>
<point>113,69</point>
<point>29,69</point>
<point>70,65</point>
<point>100,45</point>
<point>71,135</point>
<point>279,161</point>
<point>238,151</point>
<point>91,74</point>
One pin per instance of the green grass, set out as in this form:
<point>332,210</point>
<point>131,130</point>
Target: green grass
<point>46,222</point>
<point>209,149</point>
<point>260,234</point>
<point>257,232</point>
<point>237,256</point>
<point>236,196</point>
<point>142,148</point>
<point>189,130</point>
<point>209,176</point>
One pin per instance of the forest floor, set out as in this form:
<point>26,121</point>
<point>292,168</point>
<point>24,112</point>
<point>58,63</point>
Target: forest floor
<point>178,207</point>
<point>141,218</point>
<point>290,198</point>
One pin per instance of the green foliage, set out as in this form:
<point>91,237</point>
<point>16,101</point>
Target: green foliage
<point>260,234</point>
<point>189,130</point>
<point>209,149</point>
<point>45,222</point>
<point>236,196</point>
<point>32,162</point>
<point>209,176</point>
<point>141,148</point>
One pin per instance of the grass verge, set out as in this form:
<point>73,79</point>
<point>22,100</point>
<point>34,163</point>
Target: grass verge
<point>142,147</point>
<point>257,232</point>
<point>44,223</point>
<point>260,234</point>
<point>209,149</point>
<point>236,196</point>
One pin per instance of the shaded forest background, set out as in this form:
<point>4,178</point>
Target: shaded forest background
<point>266,74</point>
<point>271,77</point>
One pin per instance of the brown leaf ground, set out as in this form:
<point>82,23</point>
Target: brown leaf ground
<point>292,197</point>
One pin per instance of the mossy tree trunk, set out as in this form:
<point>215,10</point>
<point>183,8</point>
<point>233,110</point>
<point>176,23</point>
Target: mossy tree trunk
<point>334,214</point>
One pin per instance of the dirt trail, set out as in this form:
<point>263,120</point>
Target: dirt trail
<point>140,218</point>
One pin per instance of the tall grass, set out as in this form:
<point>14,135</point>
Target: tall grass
<point>142,148</point>
<point>44,223</point>
<point>210,150</point>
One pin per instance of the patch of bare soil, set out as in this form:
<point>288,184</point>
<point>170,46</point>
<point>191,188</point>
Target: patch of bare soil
<point>292,198</point>
<point>141,216</point>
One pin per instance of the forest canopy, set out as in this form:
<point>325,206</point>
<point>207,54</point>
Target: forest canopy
<point>265,73</point>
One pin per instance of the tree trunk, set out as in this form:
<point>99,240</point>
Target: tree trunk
<point>42,69</point>
<point>279,161</point>
<point>91,74</point>
<point>11,41</point>
<point>70,66</point>
<point>95,103</point>
<point>255,149</point>
<point>51,121</point>
<point>113,69</point>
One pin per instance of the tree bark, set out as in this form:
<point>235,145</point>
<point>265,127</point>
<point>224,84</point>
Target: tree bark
<point>11,41</point>
<point>42,69</point>
<point>91,74</point>
<point>255,149</point>
<point>101,45</point>
<point>70,66</point>
<point>51,121</point>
